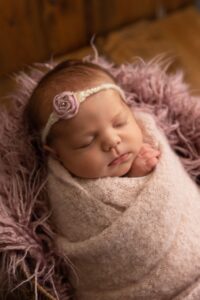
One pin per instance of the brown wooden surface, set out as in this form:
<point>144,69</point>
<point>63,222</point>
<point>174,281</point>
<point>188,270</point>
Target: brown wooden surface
<point>176,35</point>
<point>20,41</point>
<point>35,30</point>
<point>108,14</point>
<point>7,83</point>
<point>63,24</point>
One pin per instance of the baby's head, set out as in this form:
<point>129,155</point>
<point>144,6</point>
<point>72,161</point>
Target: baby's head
<point>84,120</point>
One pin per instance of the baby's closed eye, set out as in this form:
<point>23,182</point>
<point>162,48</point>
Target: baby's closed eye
<point>85,144</point>
<point>120,123</point>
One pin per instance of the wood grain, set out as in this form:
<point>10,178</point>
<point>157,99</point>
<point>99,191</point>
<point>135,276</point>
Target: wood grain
<point>35,30</point>
<point>21,41</point>
<point>7,82</point>
<point>176,35</point>
<point>63,25</point>
<point>108,15</point>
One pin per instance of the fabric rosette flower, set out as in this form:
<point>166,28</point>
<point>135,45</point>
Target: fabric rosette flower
<point>65,105</point>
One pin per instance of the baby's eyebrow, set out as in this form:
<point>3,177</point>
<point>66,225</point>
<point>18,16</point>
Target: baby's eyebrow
<point>95,133</point>
<point>117,115</point>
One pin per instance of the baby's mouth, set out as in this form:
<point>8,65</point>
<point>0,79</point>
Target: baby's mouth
<point>120,159</point>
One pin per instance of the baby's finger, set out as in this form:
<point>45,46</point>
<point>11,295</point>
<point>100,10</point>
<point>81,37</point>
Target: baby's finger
<point>150,153</point>
<point>145,147</point>
<point>158,153</point>
<point>151,163</point>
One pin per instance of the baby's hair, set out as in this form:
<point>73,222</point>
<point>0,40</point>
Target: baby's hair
<point>70,75</point>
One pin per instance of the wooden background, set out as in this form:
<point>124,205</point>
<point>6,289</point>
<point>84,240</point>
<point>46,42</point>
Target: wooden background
<point>35,30</point>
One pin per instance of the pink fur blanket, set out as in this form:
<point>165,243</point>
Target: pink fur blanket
<point>26,234</point>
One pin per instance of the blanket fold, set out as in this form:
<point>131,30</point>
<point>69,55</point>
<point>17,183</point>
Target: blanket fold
<point>130,238</point>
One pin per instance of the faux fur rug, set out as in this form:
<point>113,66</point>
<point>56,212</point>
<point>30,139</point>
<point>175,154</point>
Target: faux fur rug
<point>26,235</point>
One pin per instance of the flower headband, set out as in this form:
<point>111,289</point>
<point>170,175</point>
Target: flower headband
<point>66,104</point>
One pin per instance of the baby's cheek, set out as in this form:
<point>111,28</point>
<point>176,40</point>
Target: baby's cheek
<point>136,136</point>
<point>92,160</point>
<point>138,145</point>
<point>93,166</point>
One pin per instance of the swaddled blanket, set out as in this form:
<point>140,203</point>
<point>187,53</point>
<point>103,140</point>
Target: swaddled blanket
<point>130,238</point>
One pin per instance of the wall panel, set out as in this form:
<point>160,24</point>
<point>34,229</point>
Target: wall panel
<point>20,34</point>
<point>63,24</point>
<point>110,14</point>
<point>35,30</point>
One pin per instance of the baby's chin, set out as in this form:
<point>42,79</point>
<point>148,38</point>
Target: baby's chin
<point>117,173</point>
<point>120,171</point>
<point>114,171</point>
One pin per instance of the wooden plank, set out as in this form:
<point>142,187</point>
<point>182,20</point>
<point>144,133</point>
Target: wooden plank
<point>64,25</point>
<point>183,32</point>
<point>8,85</point>
<point>108,15</point>
<point>146,39</point>
<point>171,5</point>
<point>170,35</point>
<point>34,30</point>
<point>20,35</point>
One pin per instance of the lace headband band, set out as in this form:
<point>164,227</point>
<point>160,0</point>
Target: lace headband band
<point>66,104</point>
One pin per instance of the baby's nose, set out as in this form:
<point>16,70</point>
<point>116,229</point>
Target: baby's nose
<point>111,141</point>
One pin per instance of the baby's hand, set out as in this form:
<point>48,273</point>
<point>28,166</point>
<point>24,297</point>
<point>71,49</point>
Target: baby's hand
<point>145,161</point>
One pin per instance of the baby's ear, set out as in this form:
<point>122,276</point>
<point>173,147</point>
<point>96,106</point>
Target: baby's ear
<point>50,151</point>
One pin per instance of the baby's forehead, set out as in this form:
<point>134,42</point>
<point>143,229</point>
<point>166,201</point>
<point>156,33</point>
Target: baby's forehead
<point>96,110</point>
<point>107,99</point>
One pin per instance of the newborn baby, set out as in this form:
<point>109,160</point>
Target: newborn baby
<point>102,138</point>
<point>127,214</point>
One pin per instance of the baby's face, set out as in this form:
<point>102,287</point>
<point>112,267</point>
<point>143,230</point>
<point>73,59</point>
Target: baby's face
<point>102,140</point>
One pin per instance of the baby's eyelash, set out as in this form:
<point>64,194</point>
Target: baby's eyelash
<point>85,145</point>
<point>120,123</point>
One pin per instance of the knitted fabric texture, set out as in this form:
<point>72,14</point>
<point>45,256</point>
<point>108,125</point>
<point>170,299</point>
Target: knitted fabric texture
<point>139,237</point>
